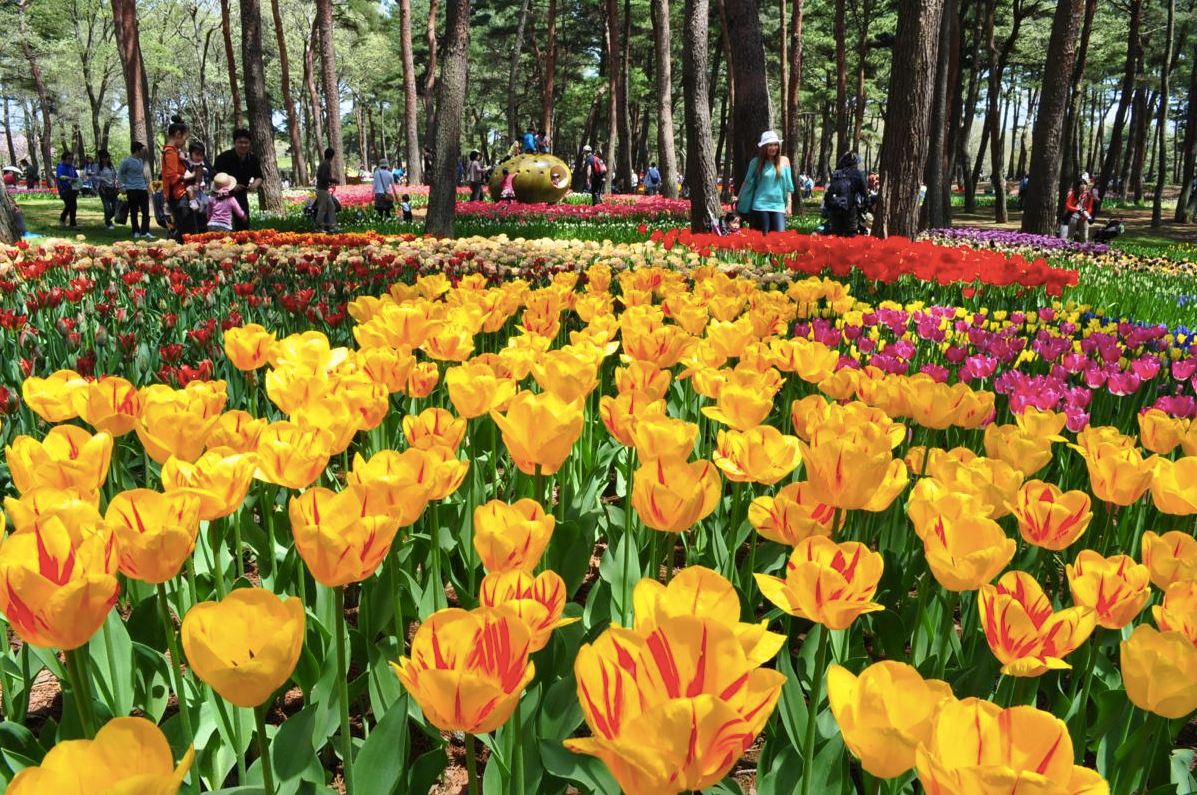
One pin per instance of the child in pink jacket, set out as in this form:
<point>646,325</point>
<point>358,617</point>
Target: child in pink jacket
<point>223,205</point>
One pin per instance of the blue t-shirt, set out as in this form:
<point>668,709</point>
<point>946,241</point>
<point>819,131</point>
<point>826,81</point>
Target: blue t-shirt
<point>652,176</point>
<point>768,192</point>
<point>529,142</point>
<point>67,176</point>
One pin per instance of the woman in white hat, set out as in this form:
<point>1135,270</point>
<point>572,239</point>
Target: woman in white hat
<point>767,186</point>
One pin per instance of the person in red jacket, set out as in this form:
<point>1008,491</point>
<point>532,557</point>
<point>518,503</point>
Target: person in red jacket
<point>175,179</point>
<point>1080,207</point>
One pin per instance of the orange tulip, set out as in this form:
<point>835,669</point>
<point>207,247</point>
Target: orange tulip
<point>828,583</point>
<point>1171,557</point>
<point>791,515</point>
<point>1115,588</point>
<point>621,413</point>
<point>110,404</point>
<point>155,532</point>
<point>220,478</point>
<point>759,455</point>
<point>672,496</point>
<point>1174,486</point>
<point>67,458</point>
<point>432,427</point>
<point>1023,632</point>
<point>1050,518</point>
<point>467,670</point>
<point>1178,613</point>
<point>539,430</point>
<point>538,601</point>
<point>177,421</point>
<point>292,456</point>
<point>343,536</point>
<point>511,537</point>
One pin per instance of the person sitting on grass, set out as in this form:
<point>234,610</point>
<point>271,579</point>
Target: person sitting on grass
<point>223,206</point>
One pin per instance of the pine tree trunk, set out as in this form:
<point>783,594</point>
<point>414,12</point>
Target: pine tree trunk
<point>550,71</point>
<point>257,104</point>
<point>904,144</point>
<point>226,32</point>
<point>411,126</point>
<point>1157,204</point>
<point>783,59</point>
<point>1071,163</point>
<point>309,84</point>
<point>513,74</point>
<point>332,90</point>
<point>12,150</point>
<point>862,51</point>
<point>751,112</point>
<point>430,77</point>
<point>1039,206</point>
<point>299,167</point>
<point>9,228</point>
<point>450,107</point>
<point>700,155</point>
<point>841,79</point>
<point>992,104</point>
<point>613,86</point>
<point>1188,150</point>
<point>937,161</point>
<point>39,85</point>
<point>793,97</point>
<point>1133,48</point>
<point>1138,159</point>
<point>625,166</point>
<point>663,42</point>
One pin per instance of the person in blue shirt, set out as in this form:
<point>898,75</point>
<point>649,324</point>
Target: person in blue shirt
<point>767,186</point>
<point>530,141</point>
<point>652,180</point>
<point>68,189</point>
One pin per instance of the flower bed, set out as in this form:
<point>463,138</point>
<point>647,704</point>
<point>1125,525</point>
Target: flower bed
<point>1007,240</point>
<point>625,517</point>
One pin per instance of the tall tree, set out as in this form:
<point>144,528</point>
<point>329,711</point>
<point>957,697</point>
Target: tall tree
<point>751,109</point>
<point>309,84</point>
<point>92,30</point>
<point>1039,206</point>
<point>613,87</point>
<point>1134,48</point>
<point>298,163</point>
<point>411,128</point>
<point>663,42</point>
<point>513,75</point>
<point>261,128</point>
<point>12,150</point>
<point>9,228</point>
<point>1157,204</point>
<point>992,100</point>
<point>226,32</point>
<point>39,84</point>
<point>332,91</point>
<point>1071,165</point>
<point>864,18</point>
<point>450,107</point>
<point>938,175</point>
<point>430,76</point>
<point>841,78</point>
<point>700,151</point>
<point>793,131</point>
<point>550,70</point>
<point>1189,149</point>
<point>904,143</point>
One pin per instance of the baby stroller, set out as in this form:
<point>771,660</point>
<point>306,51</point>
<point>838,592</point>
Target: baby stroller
<point>1113,228</point>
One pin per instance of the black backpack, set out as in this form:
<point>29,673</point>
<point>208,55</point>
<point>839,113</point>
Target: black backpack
<point>840,191</point>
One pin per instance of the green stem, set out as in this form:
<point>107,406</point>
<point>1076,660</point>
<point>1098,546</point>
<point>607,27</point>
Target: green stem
<point>343,689</point>
<point>812,712</point>
<point>471,755</point>
<point>238,560</point>
<point>264,750</point>
<point>176,665</point>
<point>517,745</point>
<point>628,535</point>
<point>1082,717</point>
<point>437,580</point>
<point>78,683</point>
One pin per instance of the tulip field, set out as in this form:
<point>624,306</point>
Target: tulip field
<point>294,513</point>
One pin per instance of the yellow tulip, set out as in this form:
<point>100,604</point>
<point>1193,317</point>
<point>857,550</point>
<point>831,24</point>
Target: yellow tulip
<point>672,496</point>
<point>931,504</point>
<point>422,379</point>
<point>759,455</point>
<point>57,583</point>
<point>475,388</point>
<point>511,537</point>
<point>828,583</point>
<point>1159,671</point>
<point>1115,588</point>
<point>326,414</point>
<point>110,404</point>
<point>236,430</point>
<point>1117,475</point>
<point>397,483</point>
<point>177,421</point>
<point>885,713</point>
<point>703,593</point>
<point>67,458</point>
<point>966,553</point>
<point>1158,432</point>
<point>1026,636</point>
<point>343,536</point>
<point>1174,486</point>
<point>451,342</point>
<point>853,472</point>
<point>663,437</point>
<point>53,398</point>
<point>978,748</point>
<point>467,669</point>
<point>642,377</point>
<point>248,347</point>
<point>432,427</point>
<point>1171,557</point>
<point>568,374</point>
<point>1042,424</point>
<point>745,399</point>
<point>993,481</point>
<point>1020,450</point>
<point>220,478</point>
<point>33,508</point>
<point>245,646</point>
<point>538,601</point>
<point>1051,518</point>
<point>387,366</point>
<point>791,515</point>
<point>155,532</point>
<point>129,756</point>
<point>444,472</point>
<point>292,456</point>
<point>1178,613</point>
<point>539,430</point>
<point>621,413</point>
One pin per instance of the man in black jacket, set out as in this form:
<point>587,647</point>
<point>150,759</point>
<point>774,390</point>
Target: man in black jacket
<point>243,165</point>
<point>847,195</point>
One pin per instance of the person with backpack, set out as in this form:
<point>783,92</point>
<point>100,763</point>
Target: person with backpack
<point>767,186</point>
<point>596,173</point>
<point>845,197</point>
<point>652,180</point>
<point>529,141</point>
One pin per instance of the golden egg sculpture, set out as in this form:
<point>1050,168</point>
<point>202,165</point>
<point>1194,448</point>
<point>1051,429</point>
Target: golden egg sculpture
<point>538,179</point>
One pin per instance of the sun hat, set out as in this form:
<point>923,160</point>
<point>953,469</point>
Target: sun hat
<point>768,137</point>
<point>223,181</point>
<point>587,148</point>
<point>384,163</point>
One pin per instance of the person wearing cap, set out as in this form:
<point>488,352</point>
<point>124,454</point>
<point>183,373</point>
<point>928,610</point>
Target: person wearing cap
<point>1079,211</point>
<point>386,192</point>
<point>596,173</point>
<point>223,206</point>
<point>767,186</point>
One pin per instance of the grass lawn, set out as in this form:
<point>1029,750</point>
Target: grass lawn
<point>41,217</point>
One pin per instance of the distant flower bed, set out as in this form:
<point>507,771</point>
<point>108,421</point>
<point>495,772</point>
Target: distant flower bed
<point>1007,239</point>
